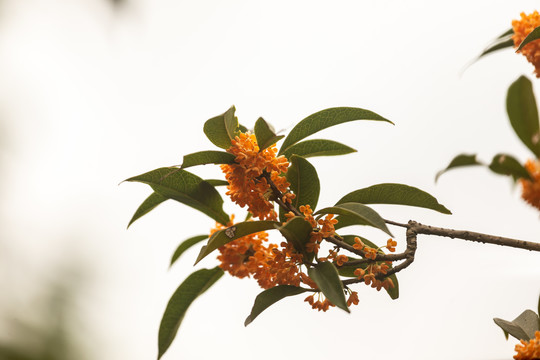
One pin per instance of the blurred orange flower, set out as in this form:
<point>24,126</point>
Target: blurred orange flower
<point>531,188</point>
<point>522,28</point>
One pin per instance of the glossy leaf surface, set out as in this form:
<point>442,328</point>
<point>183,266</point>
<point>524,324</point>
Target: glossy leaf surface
<point>195,285</point>
<point>358,212</point>
<point>304,182</point>
<point>460,160</point>
<point>220,130</point>
<point>523,113</point>
<point>222,237</point>
<point>269,297</point>
<point>397,194</point>
<point>148,205</point>
<point>265,134</point>
<point>324,119</point>
<point>207,157</point>
<point>327,279</point>
<point>187,188</point>
<point>186,244</point>
<point>318,147</point>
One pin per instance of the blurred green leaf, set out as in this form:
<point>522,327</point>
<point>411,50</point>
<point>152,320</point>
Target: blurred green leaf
<point>523,113</point>
<point>222,237</point>
<point>304,182</point>
<point>187,188</point>
<point>195,285</point>
<point>207,157</point>
<point>317,147</point>
<point>533,35</point>
<point>242,128</point>
<point>148,205</point>
<point>502,42</point>
<point>506,165</point>
<point>327,279</point>
<point>460,161</point>
<point>297,231</point>
<point>265,134</point>
<point>220,130</point>
<point>362,214</point>
<point>269,297</point>
<point>397,194</point>
<point>324,119</point>
<point>522,328</point>
<point>186,244</point>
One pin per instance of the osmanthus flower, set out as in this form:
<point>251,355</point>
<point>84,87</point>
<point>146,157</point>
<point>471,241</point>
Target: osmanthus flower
<point>247,186</point>
<point>528,350</point>
<point>522,28</point>
<point>531,188</point>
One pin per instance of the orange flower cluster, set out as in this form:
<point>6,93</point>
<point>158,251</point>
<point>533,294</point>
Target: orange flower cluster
<point>531,189</point>
<point>319,305</point>
<point>528,350</point>
<point>370,273</point>
<point>321,228</point>
<point>522,28</point>
<point>246,186</point>
<point>249,256</point>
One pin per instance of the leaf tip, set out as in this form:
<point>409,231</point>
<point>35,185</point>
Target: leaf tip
<point>248,321</point>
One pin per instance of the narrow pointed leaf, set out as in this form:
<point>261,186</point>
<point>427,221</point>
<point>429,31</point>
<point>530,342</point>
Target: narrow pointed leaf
<point>498,44</point>
<point>397,194</point>
<point>304,182</point>
<point>460,160</point>
<point>327,279</point>
<point>207,157</point>
<point>522,328</point>
<point>523,113</point>
<point>187,188</point>
<point>318,147</point>
<point>297,231</point>
<point>222,237</point>
<point>186,244</point>
<point>148,205</point>
<point>359,212</point>
<point>506,165</point>
<point>265,134</point>
<point>220,130</point>
<point>324,119</point>
<point>269,297</point>
<point>195,284</point>
<point>533,35</point>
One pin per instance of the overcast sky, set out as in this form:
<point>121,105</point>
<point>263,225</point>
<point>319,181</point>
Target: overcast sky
<point>91,95</point>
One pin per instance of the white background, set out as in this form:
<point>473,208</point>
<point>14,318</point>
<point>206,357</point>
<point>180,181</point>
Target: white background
<point>91,95</point>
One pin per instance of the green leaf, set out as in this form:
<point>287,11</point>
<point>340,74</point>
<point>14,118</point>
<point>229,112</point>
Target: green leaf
<point>297,231</point>
<point>265,134</point>
<point>304,182</point>
<point>523,113</point>
<point>397,194</point>
<point>498,44</point>
<point>148,205</point>
<point>348,271</point>
<point>222,237</point>
<point>220,130</point>
<point>506,165</point>
<point>317,147</point>
<point>522,328</point>
<point>327,279</point>
<point>460,161</point>
<point>187,188</point>
<point>207,157</point>
<point>186,244</point>
<point>242,128</point>
<point>217,182</point>
<point>533,35</point>
<point>269,297</point>
<point>324,119</point>
<point>362,214</point>
<point>195,284</point>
